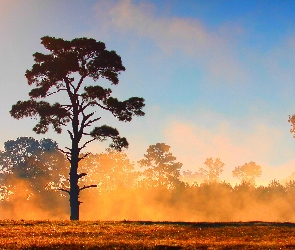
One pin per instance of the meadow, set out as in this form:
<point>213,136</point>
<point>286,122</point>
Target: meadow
<point>25,234</point>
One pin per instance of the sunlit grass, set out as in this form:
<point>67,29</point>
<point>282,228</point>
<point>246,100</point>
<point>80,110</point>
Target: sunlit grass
<point>145,235</point>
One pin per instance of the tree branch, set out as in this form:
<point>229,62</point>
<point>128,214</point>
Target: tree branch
<point>92,121</point>
<point>84,156</point>
<point>66,153</point>
<point>79,84</point>
<point>96,104</point>
<point>70,83</point>
<point>82,126</point>
<point>92,103</point>
<point>63,151</point>
<point>81,106</point>
<point>85,118</point>
<point>54,92</point>
<point>68,88</point>
<point>81,175</point>
<point>71,134</point>
<point>84,187</point>
<point>68,107</point>
<point>84,145</point>
<point>64,190</point>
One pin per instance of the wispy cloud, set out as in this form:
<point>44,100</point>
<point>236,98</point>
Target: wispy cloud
<point>213,51</point>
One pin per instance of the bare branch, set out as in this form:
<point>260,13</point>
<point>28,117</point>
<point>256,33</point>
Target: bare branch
<point>66,153</point>
<point>92,121</point>
<point>85,118</point>
<point>68,107</point>
<point>54,92</point>
<point>82,126</point>
<point>94,103</point>
<point>63,151</point>
<point>70,84</point>
<point>103,107</point>
<point>69,153</point>
<point>64,190</point>
<point>81,106</point>
<point>84,107</point>
<point>84,156</point>
<point>84,145</point>
<point>84,187</point>
<point>79,83</point>
<point>68,87</point>
<point>71,134</point>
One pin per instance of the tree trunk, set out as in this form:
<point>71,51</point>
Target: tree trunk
<point>74,200</point>
<point>74,188</point>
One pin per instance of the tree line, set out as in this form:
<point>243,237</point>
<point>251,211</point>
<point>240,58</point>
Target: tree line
<point>39,166</point>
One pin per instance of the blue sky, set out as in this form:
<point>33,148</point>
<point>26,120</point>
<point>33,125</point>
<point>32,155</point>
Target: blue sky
<point>218,76</point>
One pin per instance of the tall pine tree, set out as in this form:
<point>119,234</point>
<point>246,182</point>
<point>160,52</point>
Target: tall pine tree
<point>64,70</point>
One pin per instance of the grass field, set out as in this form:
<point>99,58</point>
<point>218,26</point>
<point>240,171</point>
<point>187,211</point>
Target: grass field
<point>145,235</point>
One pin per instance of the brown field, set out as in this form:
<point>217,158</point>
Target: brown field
<point>145,235</point>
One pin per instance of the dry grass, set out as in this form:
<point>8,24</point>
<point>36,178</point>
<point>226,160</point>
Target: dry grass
<point>145,235</point>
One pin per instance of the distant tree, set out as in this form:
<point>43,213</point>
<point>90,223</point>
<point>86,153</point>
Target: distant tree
<point>160,167</point>
<point>109,170</point>
<point>54,74</point>
<point>213,169</point>
<point>38,164</point>
<point>28,158</point>
<point>248,172</point>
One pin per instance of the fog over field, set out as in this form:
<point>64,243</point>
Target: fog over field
<point>160,191</point>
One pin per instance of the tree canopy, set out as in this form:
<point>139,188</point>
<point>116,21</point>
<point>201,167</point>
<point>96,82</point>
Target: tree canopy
<point>213,169</point>
<point>248,172</point>
<point>160,166</point>
<point>30,169</point>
